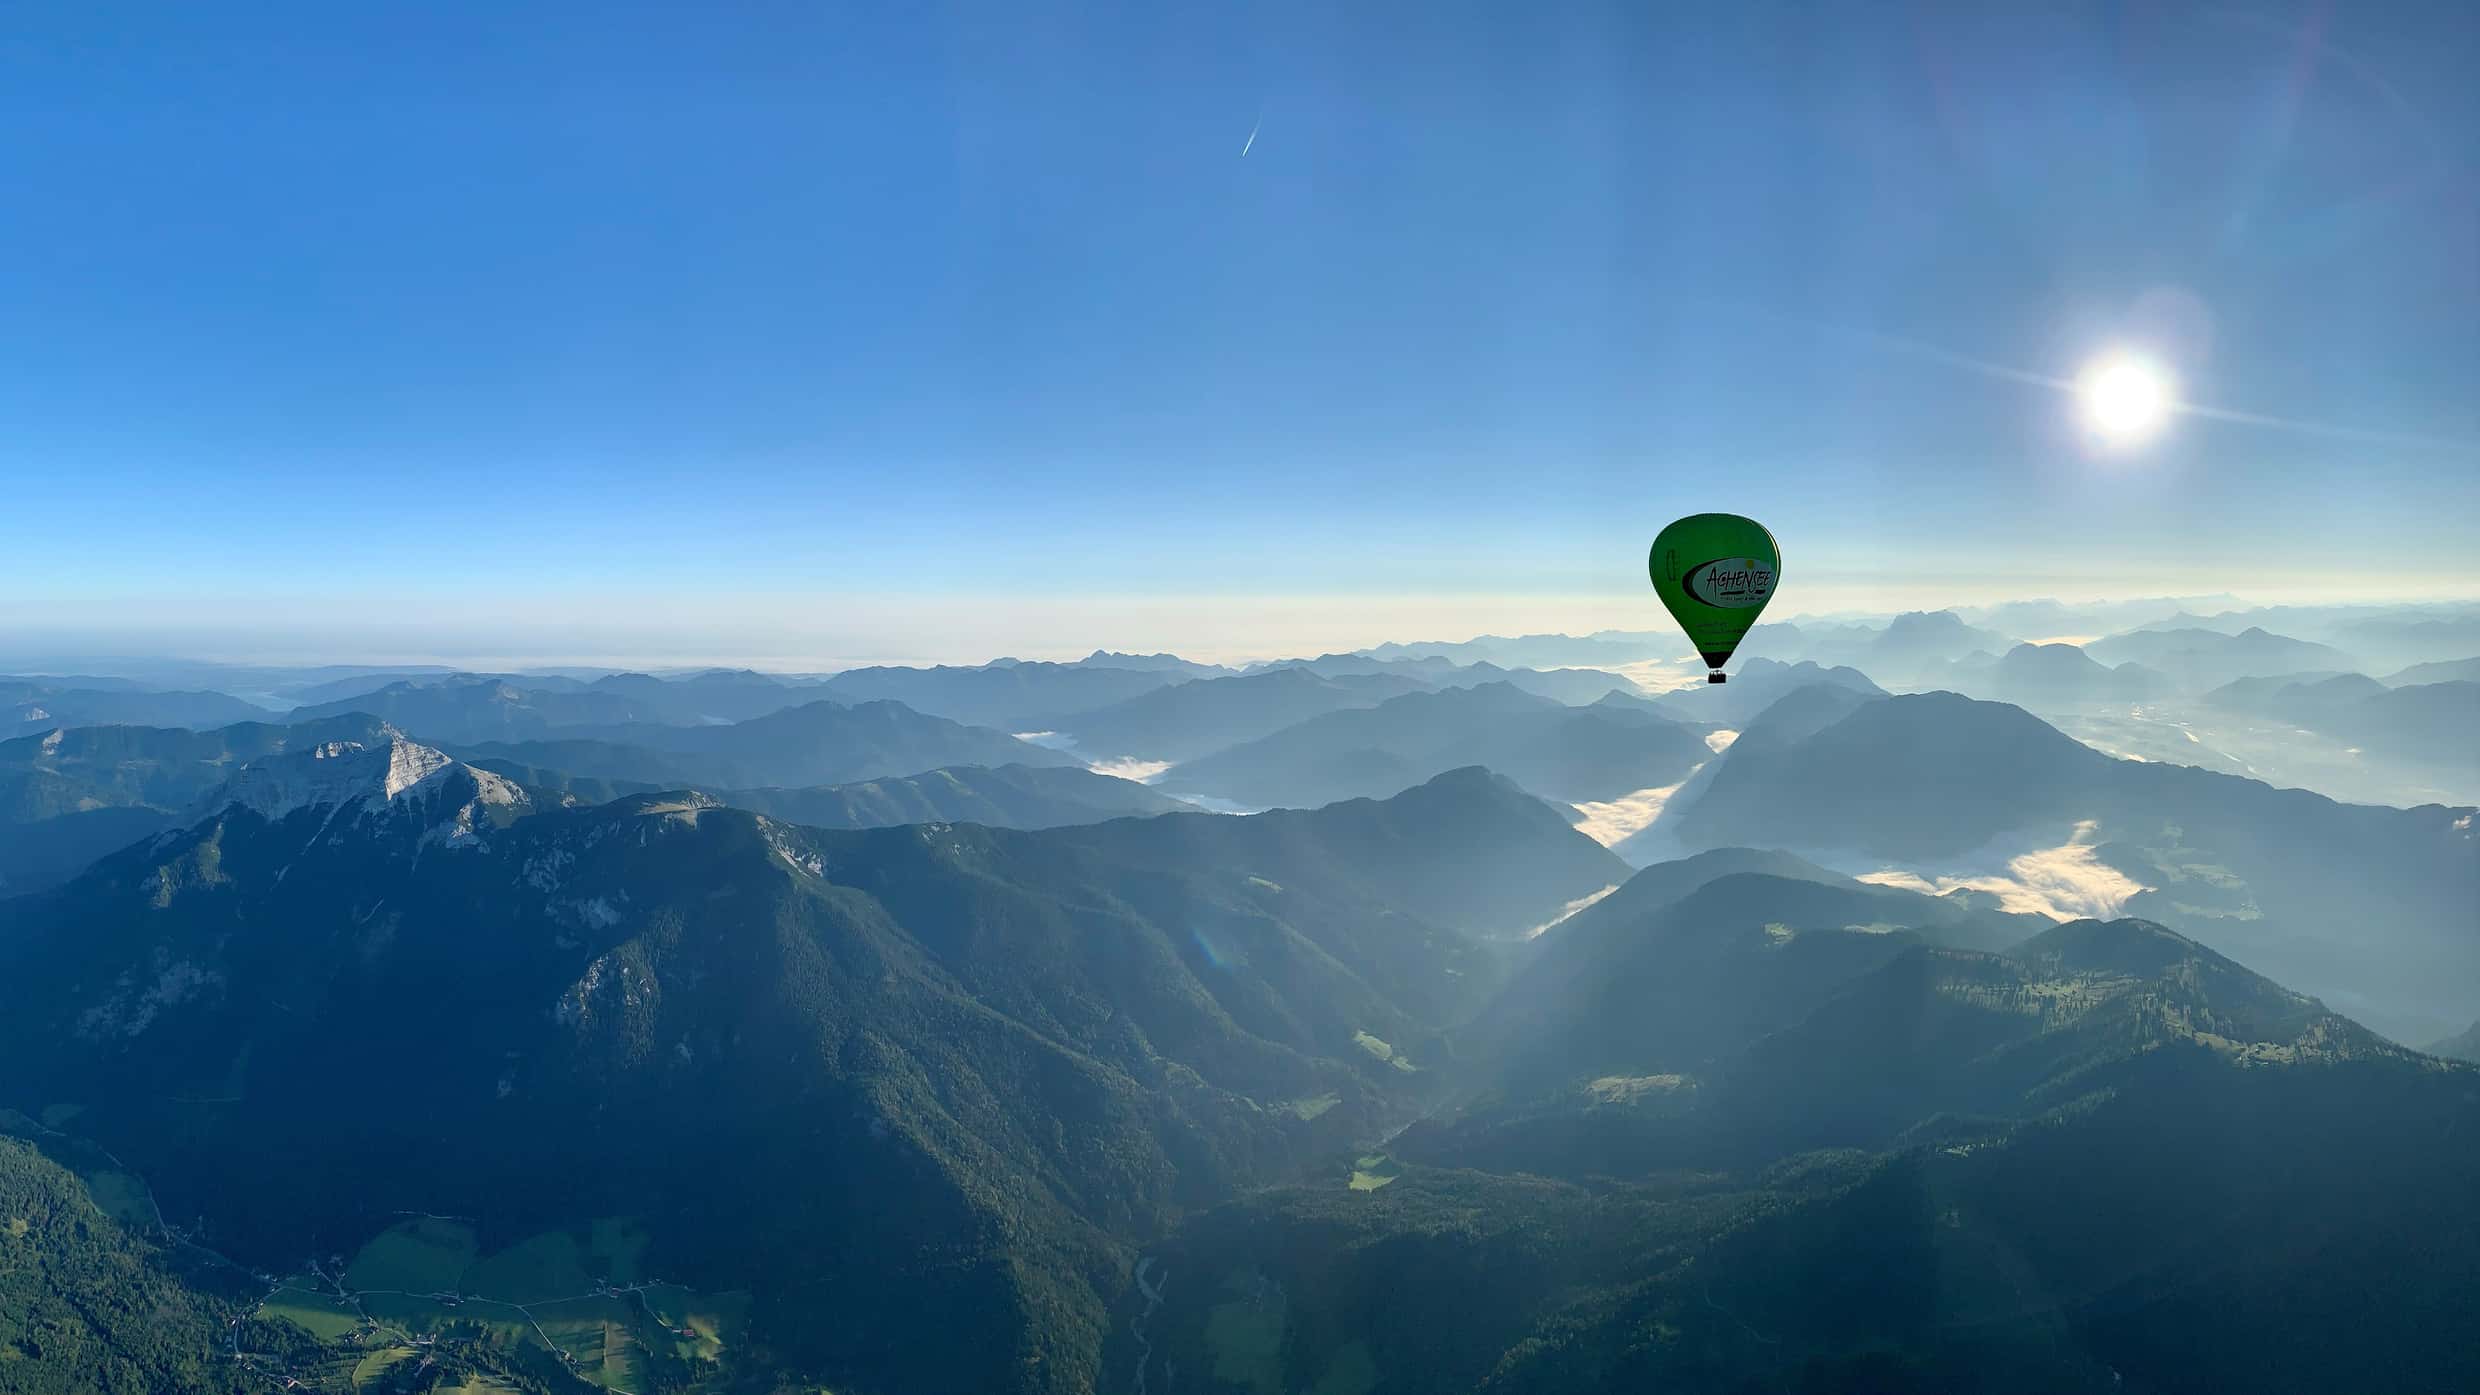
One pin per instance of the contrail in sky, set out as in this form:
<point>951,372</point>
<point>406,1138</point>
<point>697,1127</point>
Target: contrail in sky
<point>1252,140</point>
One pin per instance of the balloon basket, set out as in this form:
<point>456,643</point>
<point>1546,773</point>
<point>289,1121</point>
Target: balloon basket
<point>1716,677</point>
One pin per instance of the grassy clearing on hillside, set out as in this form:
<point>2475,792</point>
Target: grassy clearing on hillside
<point>1373,1171</point>
<point>1384,1051</point>
<point>421,1316</point>
<point>620,1365</point>
<point>593,1331</point>
<point>377,1364</point>
<point>123,1198</point>
<point>420,1256</point>
<point>315,1313</point>
<point>1306,1109</point>
<point>717,1319</point>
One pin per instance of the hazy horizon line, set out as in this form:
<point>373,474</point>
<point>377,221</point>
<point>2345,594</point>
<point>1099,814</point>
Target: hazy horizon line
<point>52,652</point>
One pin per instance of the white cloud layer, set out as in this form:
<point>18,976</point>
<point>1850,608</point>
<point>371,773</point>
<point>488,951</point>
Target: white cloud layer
<point>2065,882</point>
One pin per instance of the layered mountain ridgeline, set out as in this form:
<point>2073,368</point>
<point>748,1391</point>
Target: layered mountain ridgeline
<point>2108,1159</point>
<point>161,767</point>
<point>1012,695</point>
<point>1595,752</point>
<point>312,686</point>
<point>1795,715</point>
<point>1920,640</point>
<point>817,743</point>
<point>2200,659</point>
<point>1194,719</point>
<point>2048,616</point>
<point>36,705</point>
<point>2390,642</point>
<point>1569,685</point>
<point>2385,636</point>
<point>2462,1046</point>
<point>1202,718</point>
<point>2064,676</point>
<point>1694,957</point>
<point>1604,649</point>
<point>1099,703</point>
<point>1914,647</point>
<point>2446,671</point>
<point>1007,796</point>
<point>466,707</point>
<point>917,1089</point>
<point>1755,686</point>
<point>2368,906</point>
<point>68,796</point>
<point>1161,663</point>
<point>2436,724</point>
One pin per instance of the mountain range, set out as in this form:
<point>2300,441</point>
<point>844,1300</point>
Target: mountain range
<point>1016,696</point>
<point>1007,796</point>
<point>2434,724</point>
<point>1574,686</point>
<point>2449,671</point>
<point>1757,685</point>
<point>2063,676</point>
<point>822,742</point>
<point>1195,719</point>
<point>1603,649</point>
<point>1596,752</point>
<point>899,1081</point>
<point>473,707</point>
<point>70,795</point>
<point>35,705</point>
<point>2364,904</point>
<point>2202,659</point>
<point>1759,1151</point>
<point>650,1040</point>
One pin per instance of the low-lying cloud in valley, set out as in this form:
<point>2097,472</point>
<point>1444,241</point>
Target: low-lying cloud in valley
<point>2066,882</point>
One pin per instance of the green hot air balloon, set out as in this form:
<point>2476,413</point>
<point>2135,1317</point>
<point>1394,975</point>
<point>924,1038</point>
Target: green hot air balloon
<point>1715,571</point>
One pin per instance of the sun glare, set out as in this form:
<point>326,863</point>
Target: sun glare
<point>2126,399</point>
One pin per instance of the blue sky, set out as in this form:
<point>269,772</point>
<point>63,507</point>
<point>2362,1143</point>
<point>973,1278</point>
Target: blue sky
<point>906,325</point>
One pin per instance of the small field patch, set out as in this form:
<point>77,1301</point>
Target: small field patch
<point>714,1320</point>
<point>1373,1171</point>
<point>1310,1108</point>
<point>376,1365</point>
<point>424,1255</point>
<point>123,1198</point>
<point>315,1313</point>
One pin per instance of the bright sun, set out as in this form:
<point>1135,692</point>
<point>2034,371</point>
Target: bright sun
<point>2126,399</point>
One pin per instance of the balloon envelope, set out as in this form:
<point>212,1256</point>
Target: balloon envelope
<point>1715,572</point>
